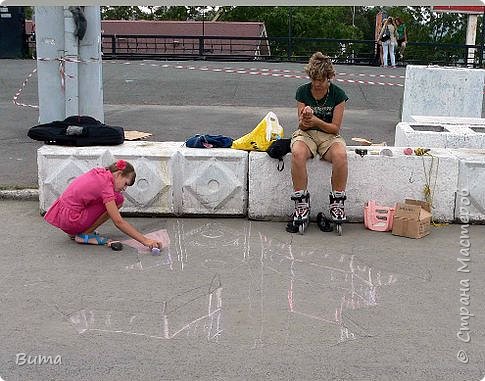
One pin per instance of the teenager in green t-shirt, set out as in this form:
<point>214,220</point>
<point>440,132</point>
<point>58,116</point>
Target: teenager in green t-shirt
<point>320,106</point>
<point>402,36</point>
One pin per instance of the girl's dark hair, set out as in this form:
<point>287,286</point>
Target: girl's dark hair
<point>126,169</point>
<point>320,67</point>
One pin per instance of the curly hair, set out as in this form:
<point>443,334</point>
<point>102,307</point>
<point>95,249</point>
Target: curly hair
<point>320,67</point>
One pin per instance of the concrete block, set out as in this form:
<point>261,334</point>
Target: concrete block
<point>372,177</point>
<point>439,135</point>
<point>154,163</point>
<point>470,197</point>
<point>211,181</point>
<point>170,178</point>
<point>444,91</point>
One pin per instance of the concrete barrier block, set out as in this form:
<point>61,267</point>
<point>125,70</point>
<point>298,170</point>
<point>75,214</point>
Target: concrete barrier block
<point>59,165</point>
<point>439,135</point>
<point>153,162</point>
<point>371,177</point>
<point>414,135</point>
<point>461,92</point>
<point>393,179</point>
<point>212,181</point>
<point>470,197</point>
<point>155,165</point>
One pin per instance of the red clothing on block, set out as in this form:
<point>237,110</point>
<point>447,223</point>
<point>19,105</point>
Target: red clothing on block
<point>83,201</point>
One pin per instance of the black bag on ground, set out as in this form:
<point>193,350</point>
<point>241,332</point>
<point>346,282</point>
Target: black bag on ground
<point>278,149</point>
<point>77,131</point>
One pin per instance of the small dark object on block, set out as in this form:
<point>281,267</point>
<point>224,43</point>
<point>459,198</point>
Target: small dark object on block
<point>361,152</point>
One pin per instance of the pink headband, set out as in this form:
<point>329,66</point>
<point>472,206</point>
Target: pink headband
<point>121,165</point>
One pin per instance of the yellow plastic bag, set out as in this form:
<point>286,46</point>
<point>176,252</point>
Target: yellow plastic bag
<point>259,139</point>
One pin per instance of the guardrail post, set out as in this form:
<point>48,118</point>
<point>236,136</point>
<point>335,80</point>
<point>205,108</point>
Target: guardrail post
<point>113,45</point>
<point>201,46</point>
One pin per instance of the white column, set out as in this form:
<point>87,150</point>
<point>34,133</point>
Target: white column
<point>70,88</point>
<point>471,30</point>
<point>91,70</point>
<point>70,65</point>
<point>49,46</point>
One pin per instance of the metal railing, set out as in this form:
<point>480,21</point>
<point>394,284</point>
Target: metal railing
<point>294,49</point>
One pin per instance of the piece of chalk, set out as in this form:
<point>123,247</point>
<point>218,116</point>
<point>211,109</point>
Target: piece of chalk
<point>155,251</point>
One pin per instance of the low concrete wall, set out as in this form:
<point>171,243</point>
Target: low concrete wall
<point>372,177</point>
<point>175,180</point>
<point>170,179</point>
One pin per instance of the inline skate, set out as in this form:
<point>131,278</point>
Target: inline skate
<point>337,212</point>
<point>301,215</point>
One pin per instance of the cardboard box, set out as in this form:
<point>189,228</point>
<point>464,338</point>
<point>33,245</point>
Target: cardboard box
<point>412,219</point>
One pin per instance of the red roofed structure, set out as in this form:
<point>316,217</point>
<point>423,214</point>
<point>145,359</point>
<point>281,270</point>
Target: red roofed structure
<point>146,38</point>
<point>185,38</point>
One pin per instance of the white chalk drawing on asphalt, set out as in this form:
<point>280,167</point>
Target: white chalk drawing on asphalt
<point>324,291</point>
<point>150,262</point>
<point>207,237</point>
<point>157,235</point>
<point>319,285</point>
<point>197,311</point>
<point>229,244</point>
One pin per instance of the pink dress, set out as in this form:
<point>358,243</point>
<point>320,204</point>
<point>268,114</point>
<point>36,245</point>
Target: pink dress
<point>83,201</point>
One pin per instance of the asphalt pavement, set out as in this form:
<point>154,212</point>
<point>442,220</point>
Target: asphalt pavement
<point>233,299</point>
<point>230,299</point>
<point>175,100</point>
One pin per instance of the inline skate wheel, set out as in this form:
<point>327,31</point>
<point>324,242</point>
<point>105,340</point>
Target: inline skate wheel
<point>323,223</point>
<point>301,229</point>
<point>338,227</point>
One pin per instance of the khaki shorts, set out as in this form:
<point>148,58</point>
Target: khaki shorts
<point>317,141</point>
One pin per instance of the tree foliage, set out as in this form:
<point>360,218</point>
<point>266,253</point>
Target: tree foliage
<point>423,25</point>
<point>323,22</point>
<point>122,13</point>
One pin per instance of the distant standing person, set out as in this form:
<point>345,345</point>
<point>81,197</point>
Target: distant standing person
<point>388,38</point>
<point>402,36</point>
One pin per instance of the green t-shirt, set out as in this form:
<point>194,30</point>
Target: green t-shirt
<point>400,31</point>
<point>323,108</point>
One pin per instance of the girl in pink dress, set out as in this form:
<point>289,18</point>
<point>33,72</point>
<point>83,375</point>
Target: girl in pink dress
<point>93,198</point>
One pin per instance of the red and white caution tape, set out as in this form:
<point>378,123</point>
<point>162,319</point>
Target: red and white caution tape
<point>17,95</point>
<point>62,73</point>
<point>265,72</point>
